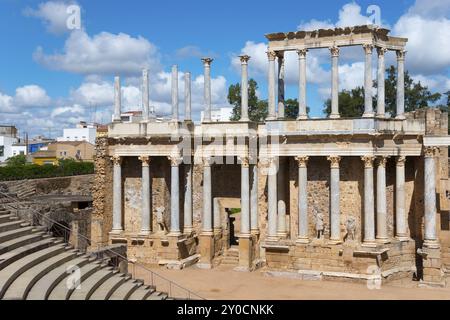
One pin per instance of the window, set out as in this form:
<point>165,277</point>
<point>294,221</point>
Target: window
<point>22,153</point>
<point>2,151</point>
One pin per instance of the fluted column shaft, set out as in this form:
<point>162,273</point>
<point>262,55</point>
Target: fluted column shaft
<point>281,202</point>
<point>302,112</point>
<point>207,88</point>
<point>401,84</point>
<point>188,225</point>
<point>430,235</point>
<point>335,211</point>
<point>302,199</point>
<point>245,197</point>
<point>117,194</point>
<point>187,97</point>
<point>382,234</point>
<point>175,195</point>
<point>334,82</point>
<point>146,195</point>
<point>175,93</point>
<point>207,214</point>
<point>145,95</point>
<point>281,88</point>
<point>381,96</point>
<point>400,214</point>
<point>369,214</point>
<point>117,99</point>
<point>254,224</point>
<point>272,200</point>
<point>368,83</point>
<point>244,87</point>
<point>271,86</point>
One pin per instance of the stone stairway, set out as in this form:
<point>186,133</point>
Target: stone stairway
<point>24,189</point>
<point>230,257</point>
<point>37,266</point>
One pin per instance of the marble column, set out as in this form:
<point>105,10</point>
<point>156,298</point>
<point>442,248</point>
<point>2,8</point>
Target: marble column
<point>216,215</point>
<point>117,99</point>
<point>400,84</point>
<point>245,197</point>
<point>188,225</point>
<point>272,200</point>
<point>244,87</point>
<point>368,82</point>
<point>146,196</point>
<point>174,93</point>
<point>207,88</point>
<point>334,82</point>
<point>271,86</point>
<point>117,194</point>
<point>401,232</point>
<point>302,199</point>
<point>254,223</point>
<point>281,85</point>
<point>175,195</point>
<point>302,114</point>
<point>430,235</point>
<point>145,95</point>
<point>369,214</point>
<point>187,97</point>
<point>381,96</point>
<point>207,213</point>
<point>382,233</point>
<point>335,211</point>
<point>281,198</point>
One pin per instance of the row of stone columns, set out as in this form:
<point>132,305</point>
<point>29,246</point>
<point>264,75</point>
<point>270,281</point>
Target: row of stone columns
<point>368,212</point>
<point>368,83</point>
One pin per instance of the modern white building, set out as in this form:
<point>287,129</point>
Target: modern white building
<point>82,132</point>
<point>220,114</point>
<point>19,148</point>
<point>8,137</point>
<point>130,116</point>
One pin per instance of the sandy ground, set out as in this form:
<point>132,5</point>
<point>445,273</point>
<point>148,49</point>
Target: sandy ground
<point>225,283</point>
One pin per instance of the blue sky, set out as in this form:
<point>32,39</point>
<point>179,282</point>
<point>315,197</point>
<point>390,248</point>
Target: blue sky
<point>52,77</point>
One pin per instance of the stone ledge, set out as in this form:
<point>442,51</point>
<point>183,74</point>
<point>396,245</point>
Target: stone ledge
<point>180,264</point>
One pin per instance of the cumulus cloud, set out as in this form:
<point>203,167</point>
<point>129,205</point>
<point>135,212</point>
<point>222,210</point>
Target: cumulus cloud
<point>31,96</point>
<point>104,53</point>
<point>53,14</point>
<point>431,8</point>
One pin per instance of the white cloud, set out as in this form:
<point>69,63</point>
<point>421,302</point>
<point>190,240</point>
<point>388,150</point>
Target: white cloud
<point>431,8</point>
<point>53,14</point>
<point>104,53</point>
<point>95,93</point>
<point>31,96</point>
<point>6,103</point>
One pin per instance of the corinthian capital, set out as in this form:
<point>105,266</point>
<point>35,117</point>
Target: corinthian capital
<point>271,55</point>
<point>430,151</point>
<point>117,160</point>
<point>381,51</point>
<point>368,48</point>
<point>334,161</point>
<point>368,161</point>
<point>207,61</point>
<point>382,161</point>
<point>400,161</point>
<point>175,160</point>
<point>302,161</point>
<point>145,160</point>
<point>401,54</point>
<point>334,51</point>
<point>244,59</point>
<point>302,53</point>
<point>244,161</point>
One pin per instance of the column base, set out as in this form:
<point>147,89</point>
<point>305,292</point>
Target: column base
<point>302,117</point>
<point>271,118</point>
<point>255,232</point>
<point>282,235</point>
<point>400,117</point>
<point>369,244</point>
<point>244,120</point>
<point>144,233</point>
<point>188,230</point>
<point>432,244</point>
<point>116,231</point>
<point>380,116</point>
<point>368,115</point>
<point>383,240</point>
<point>402,238</point>
<point>174,234</point>
<point>272,239</point>
<point>334,116</point>
<point>302,240</point>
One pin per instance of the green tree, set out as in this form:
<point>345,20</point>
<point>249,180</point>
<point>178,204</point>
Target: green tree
<point>16,161</point>
<point>255,108</point>
<point>351,103</point>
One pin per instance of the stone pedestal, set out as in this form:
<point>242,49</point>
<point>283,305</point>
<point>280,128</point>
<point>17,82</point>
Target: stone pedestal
<point>432,267</point>
<point>206,243</point>
<point>245,253</point>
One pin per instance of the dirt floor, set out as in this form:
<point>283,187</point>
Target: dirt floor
<point>225,283</point>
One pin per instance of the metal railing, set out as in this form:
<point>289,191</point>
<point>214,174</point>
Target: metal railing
<point>138,270</point>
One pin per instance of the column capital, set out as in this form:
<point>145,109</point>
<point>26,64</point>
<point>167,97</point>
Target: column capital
<point>334,161</point>
<point>382,161</point>
<point>245,161</point>
<point>271,55</point>
<point>207,61</point>
<point>400,161</point>
<point>175,160</point>
<point>401,54</point>
<point>368,48</point>
<point>302,161</point>
<point>334,51</point>
<point>302,53</point>
<point>117,160</point>
<point>381,51</point>
<point>244,59</point>
<point>145,160</point>
<point>207,161</point>
<point>368,161</point>
<point>430,151</point>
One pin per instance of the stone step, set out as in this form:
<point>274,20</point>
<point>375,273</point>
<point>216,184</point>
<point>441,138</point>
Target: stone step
<point>157,296</point>
<point>4,212</point>
<point>7,218</point>
<point>125,290</point>
<point>11,225</point>
<point>141,293</point>
<point>19,289</point>
<point>89,285</point>
<point>107,288</point>
<point>44,286</point>
<point>14,270</point>
<point>232,253</point>
<point>11,256</point>
<point>64,289</point>
<point>6,236</point>
<point>21,241</point>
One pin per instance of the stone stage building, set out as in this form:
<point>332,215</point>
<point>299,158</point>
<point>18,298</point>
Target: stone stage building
<point>350,198</point>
